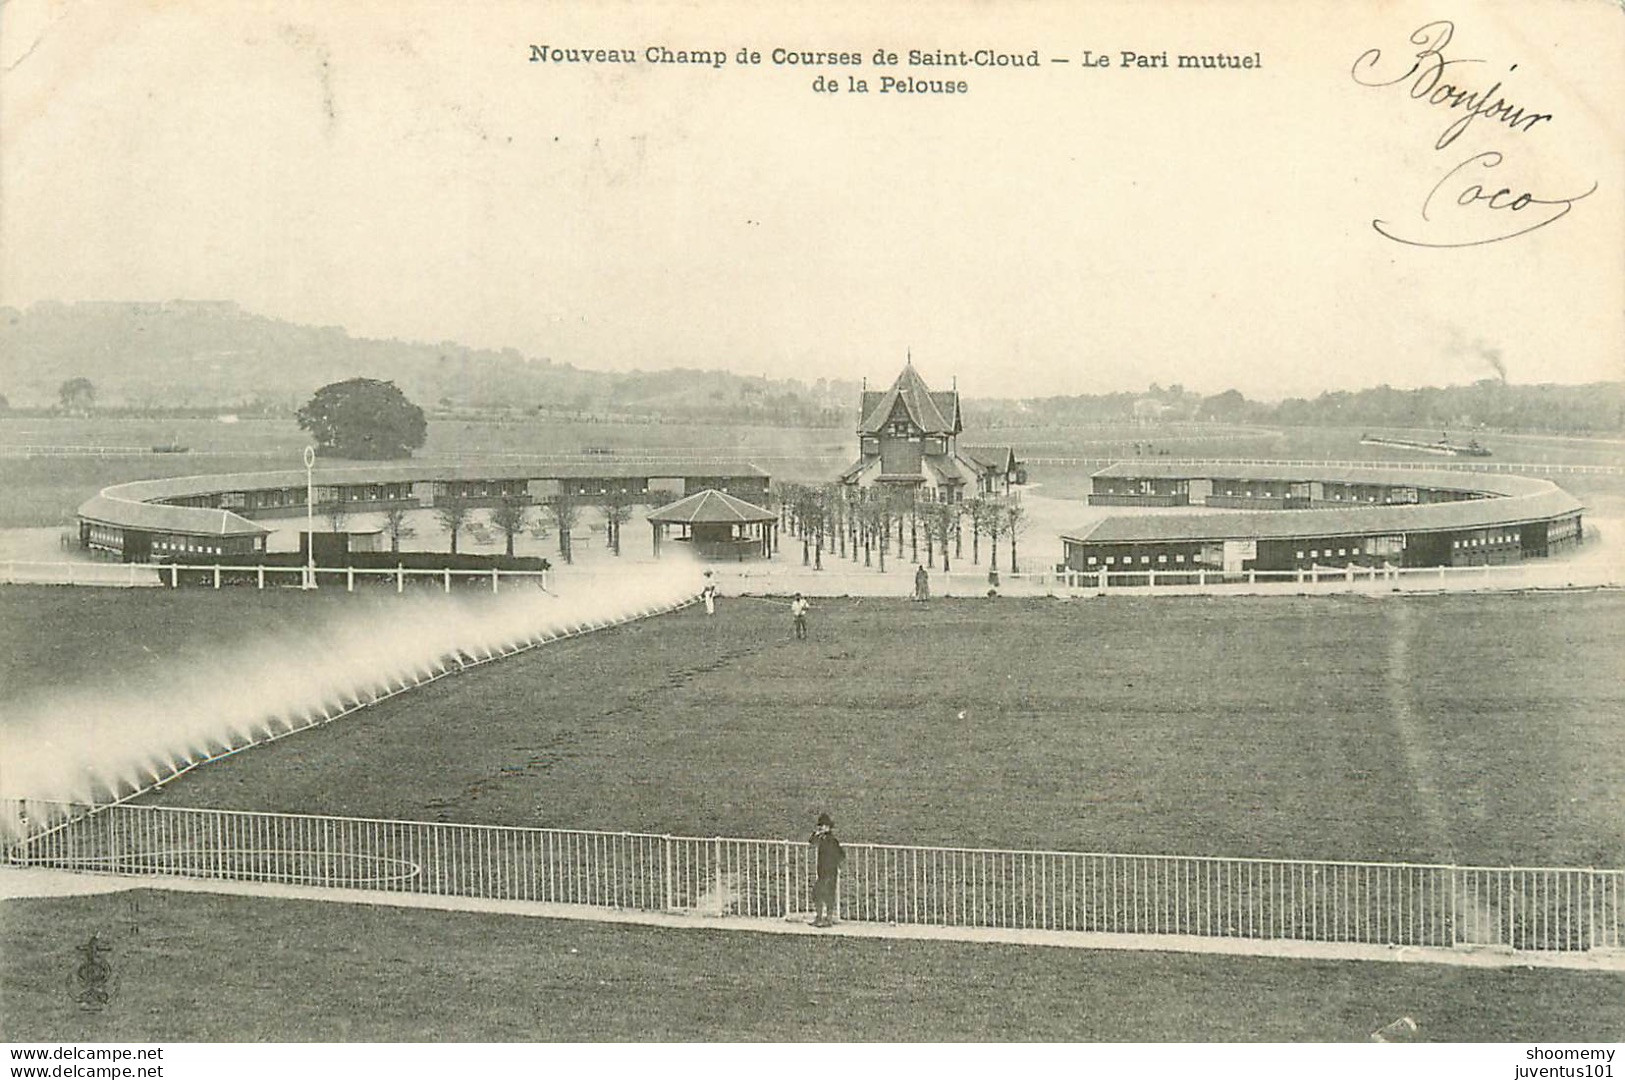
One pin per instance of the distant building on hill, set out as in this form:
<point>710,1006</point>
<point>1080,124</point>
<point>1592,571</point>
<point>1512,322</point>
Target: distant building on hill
<point>908,439</point>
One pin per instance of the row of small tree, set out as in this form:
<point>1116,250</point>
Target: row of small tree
<point>829,519</point>
<point>511,516</point>
<point>847,522</point>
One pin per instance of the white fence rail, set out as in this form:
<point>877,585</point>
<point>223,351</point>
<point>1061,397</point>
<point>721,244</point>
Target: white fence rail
<point>1482,465</point>
<point>841,578</point>
<point>175,575</point>
<point>1533,573</point>
<point>1548,909</point>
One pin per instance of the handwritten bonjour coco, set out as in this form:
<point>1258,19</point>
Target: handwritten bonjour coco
<point>1465,208</point>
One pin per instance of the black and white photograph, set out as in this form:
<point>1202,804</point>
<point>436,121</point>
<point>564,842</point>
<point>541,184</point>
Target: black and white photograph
<point>1088,532</point>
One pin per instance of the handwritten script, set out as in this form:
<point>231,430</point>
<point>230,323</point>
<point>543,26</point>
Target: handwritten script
<point>1465,208</point>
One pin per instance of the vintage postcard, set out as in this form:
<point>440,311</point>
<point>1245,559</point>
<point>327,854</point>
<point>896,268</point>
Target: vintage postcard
<point>1044,523</point>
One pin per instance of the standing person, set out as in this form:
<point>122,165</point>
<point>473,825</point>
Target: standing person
<point>922,584</point>
<point>829,857</point>
<point>709,593</point>
<point>798,608</point>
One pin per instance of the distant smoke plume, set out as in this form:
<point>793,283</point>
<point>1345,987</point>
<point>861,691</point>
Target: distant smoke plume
<point>1478,349</point>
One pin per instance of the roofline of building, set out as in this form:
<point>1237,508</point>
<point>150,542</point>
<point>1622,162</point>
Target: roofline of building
<point>116,504</point>
<point>1463,480</point>
<point>1512,500</point>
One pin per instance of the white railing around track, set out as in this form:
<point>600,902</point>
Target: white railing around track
<point>229,575</point>
<point>840,576</point>
<point>1481,465</point>
<point>1399,904</point>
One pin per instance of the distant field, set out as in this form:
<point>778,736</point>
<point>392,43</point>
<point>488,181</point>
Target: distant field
<point>283,437</point>
<point>1344,444</point>
<point>1475,728</point>
<point>45,490</point>
<point>191,967</point>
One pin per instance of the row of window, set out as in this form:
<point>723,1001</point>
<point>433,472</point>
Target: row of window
<point>1387,496</point>
<point>603,489</point>
<point>188,547</point>
<point>1486,541</point>
<point>474,489</point>
<point>104,536</point>
<point>1145,560</point>
<point>1378,546</point>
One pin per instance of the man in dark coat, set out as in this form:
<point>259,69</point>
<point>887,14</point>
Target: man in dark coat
<point>829,859</point>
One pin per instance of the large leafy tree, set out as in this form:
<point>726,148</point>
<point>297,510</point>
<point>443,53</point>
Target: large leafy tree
<point>365,419</point>
<point>77,395</point>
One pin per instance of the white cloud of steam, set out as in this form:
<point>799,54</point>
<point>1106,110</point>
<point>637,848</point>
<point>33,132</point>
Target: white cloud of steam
<point>99,744</point>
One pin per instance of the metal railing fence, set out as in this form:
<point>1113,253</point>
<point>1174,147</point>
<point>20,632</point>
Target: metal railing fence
<point>1480,465</point>
<point>257,576</point>
<point>1400,904</point>
<point>842,578</point>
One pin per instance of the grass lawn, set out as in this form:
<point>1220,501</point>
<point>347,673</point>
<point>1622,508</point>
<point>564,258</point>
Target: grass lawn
<point>206,968</point>
<point>1475,728</point>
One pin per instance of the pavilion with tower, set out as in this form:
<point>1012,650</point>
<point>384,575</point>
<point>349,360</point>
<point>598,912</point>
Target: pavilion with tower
<point>908,440</point>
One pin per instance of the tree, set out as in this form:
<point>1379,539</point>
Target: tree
<point>365,419</point>
<point>453,512</point>
<point>337,516</point>
<point>397,526</point>
<point>616,507</point>
<point>77,394</point>
<point>993,525</point>
<point>805,509</point>
<point>977,511</point>
<point>565,510</point>
<point>944,519</point>
<point>511,515</point>
<point>869,513</point>
<point>1015,523</point>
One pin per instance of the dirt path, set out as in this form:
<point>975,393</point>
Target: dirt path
<point>19,883</point>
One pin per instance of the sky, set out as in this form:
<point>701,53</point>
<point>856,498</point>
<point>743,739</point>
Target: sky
<point>406,171</point>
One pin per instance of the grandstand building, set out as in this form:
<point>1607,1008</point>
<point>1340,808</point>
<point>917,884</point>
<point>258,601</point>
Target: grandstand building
<point>1282,519</point>
<point>210,518</point>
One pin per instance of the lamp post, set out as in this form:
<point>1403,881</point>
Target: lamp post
<point>310,518</point>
